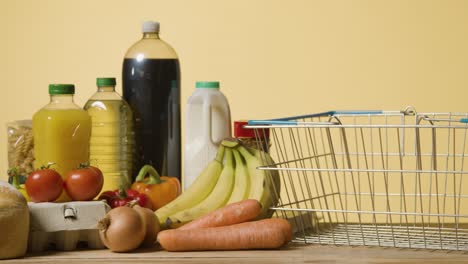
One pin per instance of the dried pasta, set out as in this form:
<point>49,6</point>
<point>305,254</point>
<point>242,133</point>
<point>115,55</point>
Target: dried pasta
<point>20,146</point>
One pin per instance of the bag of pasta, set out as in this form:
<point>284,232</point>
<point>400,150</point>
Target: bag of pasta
<point>20,146</point>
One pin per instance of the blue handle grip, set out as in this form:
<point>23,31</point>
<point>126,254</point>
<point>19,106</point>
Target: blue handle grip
<point>289,120</point>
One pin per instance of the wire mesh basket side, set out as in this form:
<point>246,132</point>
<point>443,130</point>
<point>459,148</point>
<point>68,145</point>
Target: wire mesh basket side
<point>387,179</point>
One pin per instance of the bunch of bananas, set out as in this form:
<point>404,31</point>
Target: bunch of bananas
<point>221,183</point>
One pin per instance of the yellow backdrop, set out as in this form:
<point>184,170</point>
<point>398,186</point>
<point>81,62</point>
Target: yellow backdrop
<point>273,58</point>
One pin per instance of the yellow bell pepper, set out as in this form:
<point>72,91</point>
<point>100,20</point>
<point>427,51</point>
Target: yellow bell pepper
<point>15,181</point>
<point>160,189</point>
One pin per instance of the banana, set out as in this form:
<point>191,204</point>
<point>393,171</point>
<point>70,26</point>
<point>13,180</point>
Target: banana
<point>216,199</point>
<point>241,187</point>
<point>267,160</point>
<point>198,190</point>
<point>262,186</point>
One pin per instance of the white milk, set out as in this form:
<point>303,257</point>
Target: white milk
<point>208,122</point>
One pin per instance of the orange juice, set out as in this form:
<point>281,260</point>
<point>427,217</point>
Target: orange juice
<point>61,132</point>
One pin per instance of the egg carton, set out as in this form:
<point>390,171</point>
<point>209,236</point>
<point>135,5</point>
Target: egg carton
<point>64,226</point>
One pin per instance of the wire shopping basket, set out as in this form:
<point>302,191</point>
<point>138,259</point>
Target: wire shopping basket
<point>372,178</point>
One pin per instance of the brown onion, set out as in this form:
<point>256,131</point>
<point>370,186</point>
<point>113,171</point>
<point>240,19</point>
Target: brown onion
<point>151,224</point>
<point>122,229</point>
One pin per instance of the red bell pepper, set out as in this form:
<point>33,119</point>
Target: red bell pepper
<point>122,197</point>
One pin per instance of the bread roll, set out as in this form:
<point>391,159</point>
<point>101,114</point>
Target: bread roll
<point>14,222</point>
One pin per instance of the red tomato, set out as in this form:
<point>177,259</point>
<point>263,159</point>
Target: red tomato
<point>44,185</point>
<point>84,184</point>
<point>96,169</point>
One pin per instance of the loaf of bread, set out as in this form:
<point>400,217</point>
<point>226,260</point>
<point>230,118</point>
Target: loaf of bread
<point>14,222</point>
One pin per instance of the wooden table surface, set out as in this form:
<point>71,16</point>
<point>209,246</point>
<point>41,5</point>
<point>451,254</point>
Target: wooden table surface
<point>294,253</point>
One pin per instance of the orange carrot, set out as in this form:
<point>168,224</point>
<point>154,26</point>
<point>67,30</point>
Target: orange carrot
<point>230,214</point>
<point>262,234</point>
<point>286,227</point>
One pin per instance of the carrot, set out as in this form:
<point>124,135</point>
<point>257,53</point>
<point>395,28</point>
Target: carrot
<point>262,234</point>
<point>286,227</point>
<point>230,214</point>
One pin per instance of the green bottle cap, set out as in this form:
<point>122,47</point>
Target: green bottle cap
<point>61,89</point>
<point>105,82</point>
<point>207,84</point>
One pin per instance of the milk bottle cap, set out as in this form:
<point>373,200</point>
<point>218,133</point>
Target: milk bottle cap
<point>207,85</point>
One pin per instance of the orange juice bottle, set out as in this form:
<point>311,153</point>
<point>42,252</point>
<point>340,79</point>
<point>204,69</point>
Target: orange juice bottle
<point>61,131</point>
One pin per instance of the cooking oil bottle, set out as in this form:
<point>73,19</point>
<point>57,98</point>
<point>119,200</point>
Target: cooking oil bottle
<point>112,136</point>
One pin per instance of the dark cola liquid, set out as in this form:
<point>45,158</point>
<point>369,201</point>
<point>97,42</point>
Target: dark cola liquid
<point>152,88</point>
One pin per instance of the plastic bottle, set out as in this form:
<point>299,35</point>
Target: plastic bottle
<point>61,132</point>
<point>208,122</point>
<point>112,137</point>
<point>151,86</point>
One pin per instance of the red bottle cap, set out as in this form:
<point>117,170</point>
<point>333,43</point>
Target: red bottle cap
<point>241,132</point>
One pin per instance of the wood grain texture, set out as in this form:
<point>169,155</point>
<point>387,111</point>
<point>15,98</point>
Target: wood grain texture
<point>295,253</point>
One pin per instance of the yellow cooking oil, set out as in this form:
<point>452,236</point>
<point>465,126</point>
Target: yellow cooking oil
<point>61,133</point>
<point>112,140</point>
